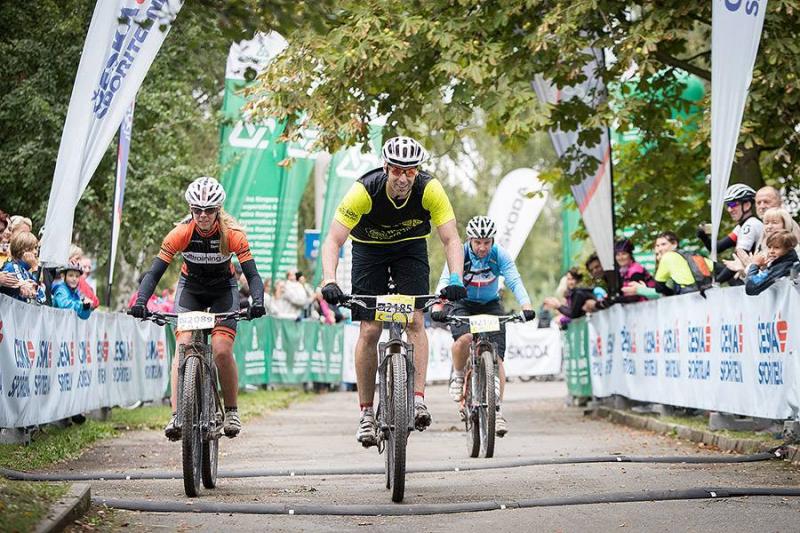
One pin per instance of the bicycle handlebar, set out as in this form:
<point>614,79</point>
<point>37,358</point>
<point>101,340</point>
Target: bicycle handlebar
<point>452,319</point>
<point>348,300</point>
<point>172,318</point>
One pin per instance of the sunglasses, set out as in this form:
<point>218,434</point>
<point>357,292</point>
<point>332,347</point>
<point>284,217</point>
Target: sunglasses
<point>397,171</point>
<point>206,210</point>
<point>732,204</point>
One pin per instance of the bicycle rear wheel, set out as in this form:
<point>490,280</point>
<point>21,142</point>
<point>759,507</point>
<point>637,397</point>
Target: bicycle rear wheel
<point>211,446</point>
<point>192,439</point>
<point>397,418</point>
<point>487,412</point>
<point>471,415</point>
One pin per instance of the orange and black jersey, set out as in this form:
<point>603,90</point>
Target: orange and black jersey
<point>205,268</point>
<point>203,260</point>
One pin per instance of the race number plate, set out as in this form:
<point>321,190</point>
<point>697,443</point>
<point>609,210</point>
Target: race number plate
<point>391,305</point>
<point>483,323</point>
<point>195,320</point>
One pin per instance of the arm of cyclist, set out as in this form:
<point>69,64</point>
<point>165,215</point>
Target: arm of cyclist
<point>337,235</point>
<point>256,285</point>
<point>508,269</point>
<point>454,253</point>
<point>147,286</point>
<point>723,244</point>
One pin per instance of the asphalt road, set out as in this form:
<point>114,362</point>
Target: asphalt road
<point>321,434</point>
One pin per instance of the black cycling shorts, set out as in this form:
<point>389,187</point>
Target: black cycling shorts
<point>373,264</point>
<point>191,296</point>
<point>468,308</point>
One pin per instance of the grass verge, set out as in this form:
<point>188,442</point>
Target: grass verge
<point>23,504</point>
<point>54,445</point>
<point>701,423</point>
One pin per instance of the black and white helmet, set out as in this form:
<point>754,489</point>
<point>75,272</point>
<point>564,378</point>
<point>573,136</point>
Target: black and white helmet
<point>205,192</point>
<point>481,227</point>
<point>740,192</point>
<point>404,152</point>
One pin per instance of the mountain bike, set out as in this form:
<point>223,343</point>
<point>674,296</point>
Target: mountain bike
<point>481,381</point>
<point>395,415</point>
<point>199,411</point>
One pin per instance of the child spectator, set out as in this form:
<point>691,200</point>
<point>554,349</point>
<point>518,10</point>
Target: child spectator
<point>23,264</point>
<point>66,294</point>
<point>775,264</point>
<point>775,219</point>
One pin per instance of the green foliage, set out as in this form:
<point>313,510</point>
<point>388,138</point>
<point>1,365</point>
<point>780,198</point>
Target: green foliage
<point>24,503</point>
<point>428,65</point>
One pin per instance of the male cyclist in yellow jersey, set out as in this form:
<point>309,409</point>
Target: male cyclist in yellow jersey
<point>388,214</point>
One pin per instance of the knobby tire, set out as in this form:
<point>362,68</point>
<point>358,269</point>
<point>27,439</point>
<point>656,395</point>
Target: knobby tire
<point>211,446</point>
<point>471,414</point>
<point>488,410</point>
<point>191,402</point>
<point>398,424</point>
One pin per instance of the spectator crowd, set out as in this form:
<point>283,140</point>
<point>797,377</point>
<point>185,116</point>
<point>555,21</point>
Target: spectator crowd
<point>24,278</point>
<point>763,248</point>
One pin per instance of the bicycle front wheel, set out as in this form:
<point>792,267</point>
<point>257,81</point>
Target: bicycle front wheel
<point>471,414</point>
<point>192,439</point>
<point>211,446</point>
<point>397,418</point>
<point>487,413</point>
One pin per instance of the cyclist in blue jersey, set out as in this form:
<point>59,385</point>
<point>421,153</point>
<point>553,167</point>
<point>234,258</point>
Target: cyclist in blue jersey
<point>484,263</point>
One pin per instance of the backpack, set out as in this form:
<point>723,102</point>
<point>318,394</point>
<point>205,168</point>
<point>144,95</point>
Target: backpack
<point>700,272</point>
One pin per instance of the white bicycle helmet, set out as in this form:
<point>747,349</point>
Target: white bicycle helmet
<point>404,152</point>
<point>481,227</point>
<point>205,192</point>
<point>740,192</point>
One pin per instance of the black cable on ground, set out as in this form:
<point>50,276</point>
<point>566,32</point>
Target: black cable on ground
<point>199,506</point>
<point>429,468</point>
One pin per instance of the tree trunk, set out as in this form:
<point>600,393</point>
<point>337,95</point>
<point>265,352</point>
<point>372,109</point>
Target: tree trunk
<point>747,168</point>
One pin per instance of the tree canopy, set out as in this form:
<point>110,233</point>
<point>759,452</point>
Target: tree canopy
<point>427,66</point>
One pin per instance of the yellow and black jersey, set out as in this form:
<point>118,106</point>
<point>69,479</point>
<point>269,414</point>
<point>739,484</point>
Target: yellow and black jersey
<point>373,217</point>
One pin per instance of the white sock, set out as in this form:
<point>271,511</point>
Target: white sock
<point>458,373</point>
<point>418,399</point>
<point>367,411</point>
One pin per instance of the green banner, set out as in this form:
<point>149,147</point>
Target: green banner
<point>300,163</point>
<point>272,350</point>
<point>577,370</point>
<point>306,351</point>
<point>254,341</point>
<point>249,159</point>
<point>346,166</point>
<point>264,180</point>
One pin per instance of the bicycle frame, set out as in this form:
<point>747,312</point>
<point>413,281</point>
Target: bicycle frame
<point>201,349</point>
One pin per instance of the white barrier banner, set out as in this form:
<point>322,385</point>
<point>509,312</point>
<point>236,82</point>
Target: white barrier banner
<point>730,352</point>
<point>54,365</point>
<point>529,352</point>
<point>735,34</point>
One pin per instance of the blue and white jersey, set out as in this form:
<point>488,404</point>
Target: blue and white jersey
<point>482,276</point>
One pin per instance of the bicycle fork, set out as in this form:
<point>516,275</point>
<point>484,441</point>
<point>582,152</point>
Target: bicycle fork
<point>386,350</point>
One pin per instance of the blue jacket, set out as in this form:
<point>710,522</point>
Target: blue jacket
<point>66,298</point>
<point>482,276</point>
<point>22,270</point>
